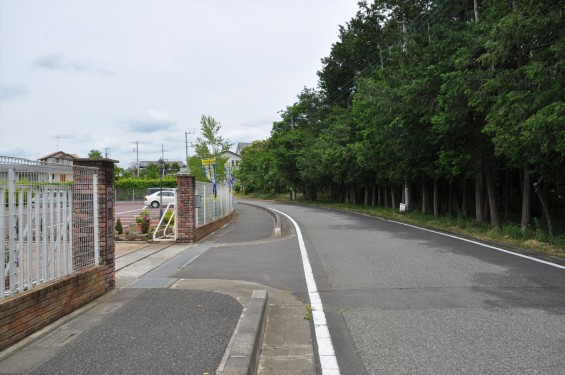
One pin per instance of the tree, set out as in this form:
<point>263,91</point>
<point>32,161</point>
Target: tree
<point>95,154</point>
<point>258,169</point>
<point>211,143</point>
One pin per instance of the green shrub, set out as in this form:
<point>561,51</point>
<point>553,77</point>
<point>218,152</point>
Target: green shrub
<point>119,227</point>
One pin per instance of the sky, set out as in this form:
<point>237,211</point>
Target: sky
<point>78,75</point>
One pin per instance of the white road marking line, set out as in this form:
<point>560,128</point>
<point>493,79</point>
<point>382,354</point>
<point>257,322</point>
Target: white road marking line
<point>125,212</point>
<point>326,353</point>
<point>470,241</point>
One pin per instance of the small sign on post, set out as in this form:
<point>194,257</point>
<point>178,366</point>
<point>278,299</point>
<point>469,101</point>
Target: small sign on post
<point>402,207</point>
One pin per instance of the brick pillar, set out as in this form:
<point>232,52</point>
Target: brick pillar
<point>186,222</point>
<point>105,213</point>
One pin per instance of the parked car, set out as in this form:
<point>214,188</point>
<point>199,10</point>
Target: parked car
<point>152,190</point>
<point>154,200</point>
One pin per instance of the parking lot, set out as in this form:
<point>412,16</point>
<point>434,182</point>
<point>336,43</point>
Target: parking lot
<point>127,211</point>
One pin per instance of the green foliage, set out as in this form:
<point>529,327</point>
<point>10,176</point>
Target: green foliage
<point>258,170</point>
<point>119,228</point>
<point>142,184</point>
<point>211,143</point>
<point>422,93</point>
<point>95,154</point>
<point>167,217</point>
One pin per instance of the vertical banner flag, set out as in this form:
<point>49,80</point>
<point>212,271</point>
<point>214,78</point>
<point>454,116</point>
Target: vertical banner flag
<point>209,168</point>
<point>229,177</point>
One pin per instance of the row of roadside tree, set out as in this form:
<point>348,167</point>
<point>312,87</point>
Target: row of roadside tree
<point>451,107</point>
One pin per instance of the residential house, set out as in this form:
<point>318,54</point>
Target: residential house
<point>63,159</point>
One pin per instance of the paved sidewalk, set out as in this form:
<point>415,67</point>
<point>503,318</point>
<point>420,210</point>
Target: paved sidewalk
<point>155,323</point>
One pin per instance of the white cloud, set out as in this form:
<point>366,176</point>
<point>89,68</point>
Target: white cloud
<point>8,92</point>
<point>54,61</point>
<point>151,121</point>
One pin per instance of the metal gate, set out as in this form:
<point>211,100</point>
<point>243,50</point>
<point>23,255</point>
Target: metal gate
<point>48,222</point>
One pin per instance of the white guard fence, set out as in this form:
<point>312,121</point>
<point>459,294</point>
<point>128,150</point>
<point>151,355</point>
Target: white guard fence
<point>48,222</point>
<point>212,208</point>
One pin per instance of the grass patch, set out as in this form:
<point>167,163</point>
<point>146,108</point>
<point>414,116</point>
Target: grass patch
<point>308,315</point>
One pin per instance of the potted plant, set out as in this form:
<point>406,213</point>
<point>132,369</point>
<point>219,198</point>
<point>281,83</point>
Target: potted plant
<point>143,221</point>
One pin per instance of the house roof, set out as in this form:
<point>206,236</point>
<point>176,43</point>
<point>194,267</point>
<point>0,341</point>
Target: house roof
<point>241,146</point>
<point>60,155</point>
<point>230,153</point>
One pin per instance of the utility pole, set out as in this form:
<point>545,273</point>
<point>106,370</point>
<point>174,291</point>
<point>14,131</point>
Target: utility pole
<point>106,152</point>
<point>186,143</point>
<point>163,158</point>
<point>136,150</point>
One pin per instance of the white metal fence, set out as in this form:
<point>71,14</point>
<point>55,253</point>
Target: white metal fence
<point>212,208</point>
<point>48,222</point>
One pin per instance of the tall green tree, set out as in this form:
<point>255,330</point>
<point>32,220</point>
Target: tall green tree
<point>525,51</point>
<point>211,143</point>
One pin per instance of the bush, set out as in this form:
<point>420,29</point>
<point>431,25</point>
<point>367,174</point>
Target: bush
<point>167,216</point>
<point>119,227</point>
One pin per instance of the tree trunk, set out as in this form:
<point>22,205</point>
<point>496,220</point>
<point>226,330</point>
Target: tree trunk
<point>436,198</point>
<point>464,200</point>
<point>507,194</point>
<point>379,196</point>
<point>476,10</point>
<point>526,199</point>
<point>393,197</point>
<point>366,200</point>
<point>373,192</point>
<point>424,197</point>
<point>386,197</point>
<point>479,213</point>
<point>541,191</point>
<point>492,199</point>
<point>353,195</point>
<point>407,197</point>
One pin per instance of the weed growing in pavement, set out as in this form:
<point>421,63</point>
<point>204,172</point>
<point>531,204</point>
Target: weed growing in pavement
<point>308,315</point>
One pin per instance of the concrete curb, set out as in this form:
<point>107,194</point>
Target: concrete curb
<point>278,221</point>
<point>242,356</point>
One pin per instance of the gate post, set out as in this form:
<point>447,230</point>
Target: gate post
<point>105,198</point>
<point>186,223</point>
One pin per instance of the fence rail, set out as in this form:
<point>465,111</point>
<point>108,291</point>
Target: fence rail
<point>130,195</point>
<point>48,226</point>
<point>213,207</point>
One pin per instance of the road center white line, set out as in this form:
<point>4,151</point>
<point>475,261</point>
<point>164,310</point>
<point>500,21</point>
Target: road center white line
<point>326,353</point>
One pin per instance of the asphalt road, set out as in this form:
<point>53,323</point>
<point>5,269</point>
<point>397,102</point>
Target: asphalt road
<point>399,300</point>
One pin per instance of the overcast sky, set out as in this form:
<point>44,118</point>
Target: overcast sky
<point>94,74</point>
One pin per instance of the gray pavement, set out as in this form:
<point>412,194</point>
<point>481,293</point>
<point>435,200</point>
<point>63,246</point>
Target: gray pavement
<point>404,301</point>
<point>162,319</point>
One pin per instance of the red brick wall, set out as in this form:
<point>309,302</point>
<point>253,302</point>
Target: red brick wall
<point>34,309</point>
<point>206,229</point>
<point>186,221</point>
